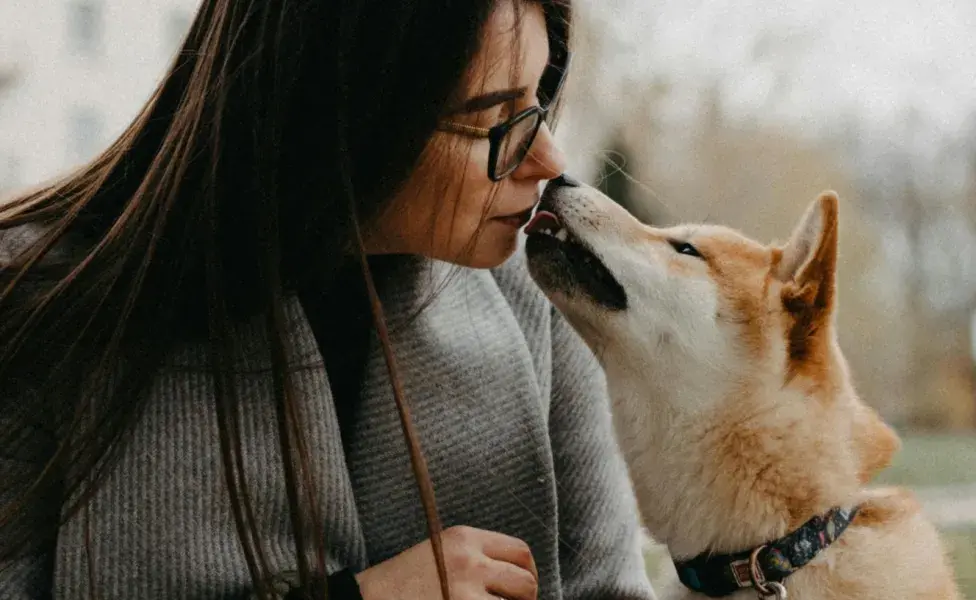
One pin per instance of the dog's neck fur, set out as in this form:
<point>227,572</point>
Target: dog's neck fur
<point>691,496</point>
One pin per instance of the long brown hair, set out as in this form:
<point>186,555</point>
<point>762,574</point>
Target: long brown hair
<point>280,126</point>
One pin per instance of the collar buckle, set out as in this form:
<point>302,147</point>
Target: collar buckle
<point>765,589</point>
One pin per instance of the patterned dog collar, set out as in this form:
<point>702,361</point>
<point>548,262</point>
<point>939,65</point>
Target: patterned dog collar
<point>718,575</point>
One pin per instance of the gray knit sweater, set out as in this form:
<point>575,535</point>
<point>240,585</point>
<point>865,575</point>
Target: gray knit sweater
<point>512,412</point>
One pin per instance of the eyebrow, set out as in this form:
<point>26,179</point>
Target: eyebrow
<point>489,100</point>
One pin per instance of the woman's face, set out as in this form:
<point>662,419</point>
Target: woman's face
<point>449,209</point>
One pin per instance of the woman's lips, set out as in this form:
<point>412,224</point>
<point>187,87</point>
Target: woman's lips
<point>517,220</point>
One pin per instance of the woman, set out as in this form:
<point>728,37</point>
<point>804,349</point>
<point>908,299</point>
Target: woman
<point>194,381</point>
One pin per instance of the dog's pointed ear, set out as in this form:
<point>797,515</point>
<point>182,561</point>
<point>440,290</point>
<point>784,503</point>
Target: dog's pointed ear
<point>807,264</point>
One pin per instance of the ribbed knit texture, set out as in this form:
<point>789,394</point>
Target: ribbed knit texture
<point>512,412</point>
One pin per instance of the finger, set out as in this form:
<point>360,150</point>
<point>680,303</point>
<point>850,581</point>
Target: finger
<point>511,582</point>
<point>511,550</point>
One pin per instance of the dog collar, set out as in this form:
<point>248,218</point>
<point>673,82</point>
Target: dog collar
<point>718,575</point>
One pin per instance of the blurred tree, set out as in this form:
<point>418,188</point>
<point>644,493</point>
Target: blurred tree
<point>747,129</point>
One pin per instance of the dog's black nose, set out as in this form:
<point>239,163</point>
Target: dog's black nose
<point>563,180</point>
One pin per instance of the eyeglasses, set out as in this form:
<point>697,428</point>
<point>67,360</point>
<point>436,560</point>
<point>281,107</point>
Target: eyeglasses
<point>510,141</point>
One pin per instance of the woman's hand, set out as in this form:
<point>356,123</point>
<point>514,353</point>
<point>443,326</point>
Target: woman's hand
<point>481,565</point>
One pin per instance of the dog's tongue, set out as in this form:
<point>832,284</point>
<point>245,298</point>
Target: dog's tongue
<point>543,219</point>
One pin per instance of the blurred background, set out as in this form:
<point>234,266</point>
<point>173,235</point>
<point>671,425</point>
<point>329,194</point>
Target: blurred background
<point>685,110</point>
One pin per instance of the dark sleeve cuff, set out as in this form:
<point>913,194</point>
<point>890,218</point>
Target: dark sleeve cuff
<point>343,586</point>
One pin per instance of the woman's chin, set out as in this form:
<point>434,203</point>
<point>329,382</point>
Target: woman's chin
<point>495,245</point>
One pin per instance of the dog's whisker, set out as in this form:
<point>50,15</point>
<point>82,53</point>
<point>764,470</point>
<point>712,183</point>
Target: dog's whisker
<point>619,169</point>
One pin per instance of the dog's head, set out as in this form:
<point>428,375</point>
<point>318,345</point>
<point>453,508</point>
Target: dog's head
<point>703,293</point>
<point>698,326</point>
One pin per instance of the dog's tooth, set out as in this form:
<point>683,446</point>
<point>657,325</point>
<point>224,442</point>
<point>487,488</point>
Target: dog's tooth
<point>562,235</point>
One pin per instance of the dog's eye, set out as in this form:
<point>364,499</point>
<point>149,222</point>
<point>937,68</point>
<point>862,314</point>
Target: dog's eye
<point>685,248</point>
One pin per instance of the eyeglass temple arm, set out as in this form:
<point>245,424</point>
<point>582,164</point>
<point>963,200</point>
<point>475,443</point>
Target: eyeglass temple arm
<point>471,130</point>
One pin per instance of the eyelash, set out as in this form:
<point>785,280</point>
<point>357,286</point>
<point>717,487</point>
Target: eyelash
<point>685,248</point>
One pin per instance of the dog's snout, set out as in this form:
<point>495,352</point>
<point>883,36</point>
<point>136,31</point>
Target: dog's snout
<point>563,180</point>
<point>554,185</point>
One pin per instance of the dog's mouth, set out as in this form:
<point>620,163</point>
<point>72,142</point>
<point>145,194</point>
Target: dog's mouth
<point>568,262</point>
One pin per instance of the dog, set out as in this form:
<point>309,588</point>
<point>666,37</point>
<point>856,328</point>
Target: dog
<point>747,444</point>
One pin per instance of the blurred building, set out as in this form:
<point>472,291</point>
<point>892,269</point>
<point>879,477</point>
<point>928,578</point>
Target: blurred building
<point>73,73</point>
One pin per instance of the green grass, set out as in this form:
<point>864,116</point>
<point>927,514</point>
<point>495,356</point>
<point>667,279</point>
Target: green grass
<point>933,460</point>
<point>962,548</point>
<point>937,460</point>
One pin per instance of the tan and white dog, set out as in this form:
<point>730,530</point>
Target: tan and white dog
<point>733,403</point>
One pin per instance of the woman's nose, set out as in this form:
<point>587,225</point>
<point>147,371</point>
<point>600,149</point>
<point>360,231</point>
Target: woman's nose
<point>544,161</point>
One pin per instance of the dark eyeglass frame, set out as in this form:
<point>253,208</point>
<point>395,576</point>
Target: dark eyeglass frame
<point>550,86</point>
